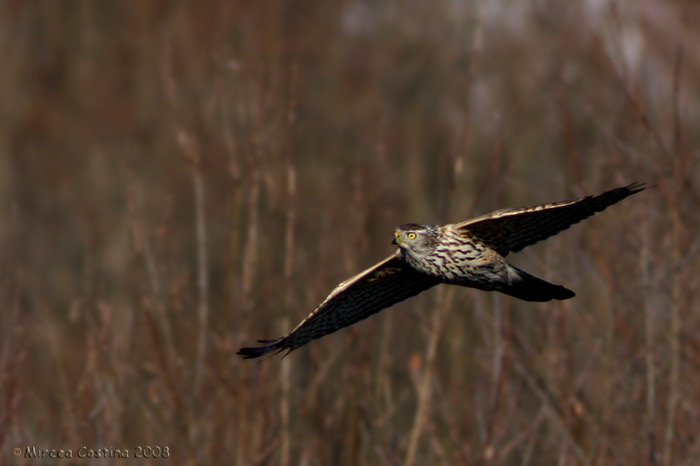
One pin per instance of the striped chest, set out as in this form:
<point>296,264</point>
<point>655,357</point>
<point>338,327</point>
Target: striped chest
<point>453,258</point>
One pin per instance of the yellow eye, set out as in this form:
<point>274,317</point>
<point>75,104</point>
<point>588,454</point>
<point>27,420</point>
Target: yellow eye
<point>397,235</point>
<point>411,235</point>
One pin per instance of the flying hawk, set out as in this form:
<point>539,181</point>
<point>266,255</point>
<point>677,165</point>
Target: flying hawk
<point>471,254</point>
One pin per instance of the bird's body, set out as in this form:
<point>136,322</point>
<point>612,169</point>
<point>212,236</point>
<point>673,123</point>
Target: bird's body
<point>455,258</point>
<point>471,254</point>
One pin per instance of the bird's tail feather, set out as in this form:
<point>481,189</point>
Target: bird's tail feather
<point>531,288</point>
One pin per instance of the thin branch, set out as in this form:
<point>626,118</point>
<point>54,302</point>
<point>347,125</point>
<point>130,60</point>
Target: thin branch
<point>445,299</point>
<point>192,154</point>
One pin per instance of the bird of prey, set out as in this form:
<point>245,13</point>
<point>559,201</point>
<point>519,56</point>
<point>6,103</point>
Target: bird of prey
<point>471,254</point>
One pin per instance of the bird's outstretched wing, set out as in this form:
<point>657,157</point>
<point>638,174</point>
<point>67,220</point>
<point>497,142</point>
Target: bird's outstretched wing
<point>382,285</point>
<point>510,230</point>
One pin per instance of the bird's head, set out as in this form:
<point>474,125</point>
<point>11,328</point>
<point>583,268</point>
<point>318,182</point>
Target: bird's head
<point>416,240</point>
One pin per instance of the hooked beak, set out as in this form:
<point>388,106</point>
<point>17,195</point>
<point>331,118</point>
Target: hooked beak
<point>393,241</point>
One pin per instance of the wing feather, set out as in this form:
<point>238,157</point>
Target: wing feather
<point>510,230</point>
<point>382,285</point>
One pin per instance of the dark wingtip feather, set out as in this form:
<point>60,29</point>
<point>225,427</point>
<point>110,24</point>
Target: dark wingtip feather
<point>258,351</point>
<point>636,187</point>
<point>602,201</point>
<point>614,196</point>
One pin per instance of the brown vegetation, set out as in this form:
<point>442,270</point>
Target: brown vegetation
<point>179,179</point>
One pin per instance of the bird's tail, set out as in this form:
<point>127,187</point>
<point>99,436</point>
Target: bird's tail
<point>531,288</point>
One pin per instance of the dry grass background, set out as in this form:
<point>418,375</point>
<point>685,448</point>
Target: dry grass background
<point>178,179</point>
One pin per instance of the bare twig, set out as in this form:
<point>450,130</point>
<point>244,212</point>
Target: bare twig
<point>442,308</point>
<point>540,387</point>
<point>285,436</point>
<point>285,446</point>
<point>676,266</point>
<point>192,154</point>
<point>649,347</point>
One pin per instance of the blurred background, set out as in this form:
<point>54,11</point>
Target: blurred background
<point>180,179</point>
